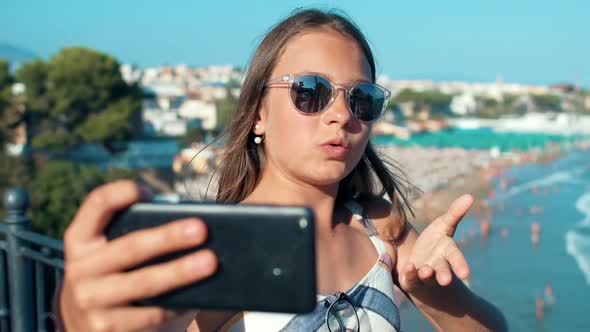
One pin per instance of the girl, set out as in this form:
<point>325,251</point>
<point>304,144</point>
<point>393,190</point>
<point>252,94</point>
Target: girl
<point>300,136</point>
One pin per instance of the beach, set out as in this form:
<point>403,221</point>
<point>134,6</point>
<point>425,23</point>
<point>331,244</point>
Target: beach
<point>533,261</point>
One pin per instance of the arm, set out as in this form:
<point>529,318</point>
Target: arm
<point>425,270</point>
<point>97,287</point>
<point>453,307</point>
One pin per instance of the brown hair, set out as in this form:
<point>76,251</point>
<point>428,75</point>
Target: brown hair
<point>240,166</point>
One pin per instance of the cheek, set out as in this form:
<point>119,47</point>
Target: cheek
<point>359,150</point>
<point>289,132</point>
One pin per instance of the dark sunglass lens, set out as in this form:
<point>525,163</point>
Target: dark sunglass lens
<point>311,93</point>
<point>367,101</point>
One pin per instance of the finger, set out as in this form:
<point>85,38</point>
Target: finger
<point>128,319</point>
<point>456,212</point>
<point>425,272</point>
<point>125,252</point>
<point>443,272</point>
<point>95,213</point>
<point>146,282</point>
<point>410,278</point>
<point>458,262</point>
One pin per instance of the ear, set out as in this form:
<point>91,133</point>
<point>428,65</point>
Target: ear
<point>258,127</point>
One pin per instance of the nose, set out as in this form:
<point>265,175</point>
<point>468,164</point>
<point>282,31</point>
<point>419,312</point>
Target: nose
<point>338,111</point>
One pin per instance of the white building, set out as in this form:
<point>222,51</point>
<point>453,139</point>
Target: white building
<point>130,74</point>
<point>198,109</point>
<point>463,104</point>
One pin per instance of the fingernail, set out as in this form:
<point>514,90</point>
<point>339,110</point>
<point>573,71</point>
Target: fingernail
<point>191,230</point>
<point>203,262</point>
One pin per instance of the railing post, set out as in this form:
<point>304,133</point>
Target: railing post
<point>20,281</point>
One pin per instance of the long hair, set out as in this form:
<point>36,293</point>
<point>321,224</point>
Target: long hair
<point>240,166</point>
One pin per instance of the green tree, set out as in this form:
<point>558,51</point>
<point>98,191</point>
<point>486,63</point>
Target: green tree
<point>487,107</point>
<point>547,102</point>
<point>34,76</point>
<point>114,123</point>
<point>192,135</point>
<point>79,96</point>
<point>508,100</point>
<point>5,76</point>
<point>6,118</point>
<point>14,172</point>
<point>435,101</point>
<point>58,189</point>
<point>226,109</point>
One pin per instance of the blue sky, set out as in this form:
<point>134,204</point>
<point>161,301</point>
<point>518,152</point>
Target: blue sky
<point>539,42</point>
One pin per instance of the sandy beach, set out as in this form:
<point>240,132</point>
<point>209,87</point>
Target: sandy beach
<point>530,259</point>
<point>444,174</point>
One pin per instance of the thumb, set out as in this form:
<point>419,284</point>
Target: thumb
<point>455,213</point>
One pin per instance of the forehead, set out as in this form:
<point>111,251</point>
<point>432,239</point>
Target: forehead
<point>328,52</point>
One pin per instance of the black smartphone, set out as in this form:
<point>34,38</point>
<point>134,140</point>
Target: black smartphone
<point>266,255</point>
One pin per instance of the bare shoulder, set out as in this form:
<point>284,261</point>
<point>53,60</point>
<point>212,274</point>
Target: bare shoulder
<point>378,209</point>
<point>385,219</point>
<point>398,234</point>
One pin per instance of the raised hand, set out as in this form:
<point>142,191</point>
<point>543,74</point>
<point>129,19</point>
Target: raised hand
<point>435,252</point>
<point>97,292</point>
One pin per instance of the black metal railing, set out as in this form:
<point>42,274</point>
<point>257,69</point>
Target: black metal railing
<point>31,266</point>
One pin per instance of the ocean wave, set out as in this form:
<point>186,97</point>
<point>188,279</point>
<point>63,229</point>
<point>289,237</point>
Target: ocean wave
<point>571,176</point>
<point>577,240</point>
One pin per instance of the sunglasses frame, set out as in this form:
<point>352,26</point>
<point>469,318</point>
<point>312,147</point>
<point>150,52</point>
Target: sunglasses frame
<point>341,297</point>
<point>287,80</point>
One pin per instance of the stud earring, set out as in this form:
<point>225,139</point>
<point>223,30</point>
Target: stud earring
<point>258,139</point>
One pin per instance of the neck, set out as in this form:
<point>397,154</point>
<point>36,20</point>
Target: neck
<point>280,190</point>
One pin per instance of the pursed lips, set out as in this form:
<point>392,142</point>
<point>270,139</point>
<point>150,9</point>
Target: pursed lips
<point>337,142</point>
<point>336,148</point>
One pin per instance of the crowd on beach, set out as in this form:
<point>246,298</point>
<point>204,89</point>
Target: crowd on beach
<point>429,168</point>
<point>425,167</point>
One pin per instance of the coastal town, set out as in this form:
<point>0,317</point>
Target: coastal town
<point>454,127</point>
<point>430,123</point>
<point>180,98</point>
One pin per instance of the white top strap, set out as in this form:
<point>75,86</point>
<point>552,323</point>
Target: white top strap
<point>379,245</point>
<point>357,212</point>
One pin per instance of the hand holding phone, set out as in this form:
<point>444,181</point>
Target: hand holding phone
<point>266,255</point>
<point>98,285</point>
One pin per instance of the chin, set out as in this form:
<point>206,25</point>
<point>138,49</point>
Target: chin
<point>328,175</point>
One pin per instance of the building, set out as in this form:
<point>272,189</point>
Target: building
<point>198,109</point>
<point>463,104</point>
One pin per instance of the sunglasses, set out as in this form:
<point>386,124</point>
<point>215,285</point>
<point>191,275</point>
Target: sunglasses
<point>341,315</point>
<point>313,94</point>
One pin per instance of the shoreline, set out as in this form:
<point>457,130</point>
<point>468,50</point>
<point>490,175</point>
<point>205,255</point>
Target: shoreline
<point>478,182</point>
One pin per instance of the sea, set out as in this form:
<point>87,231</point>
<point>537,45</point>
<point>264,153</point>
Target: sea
<point>514,272</point>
